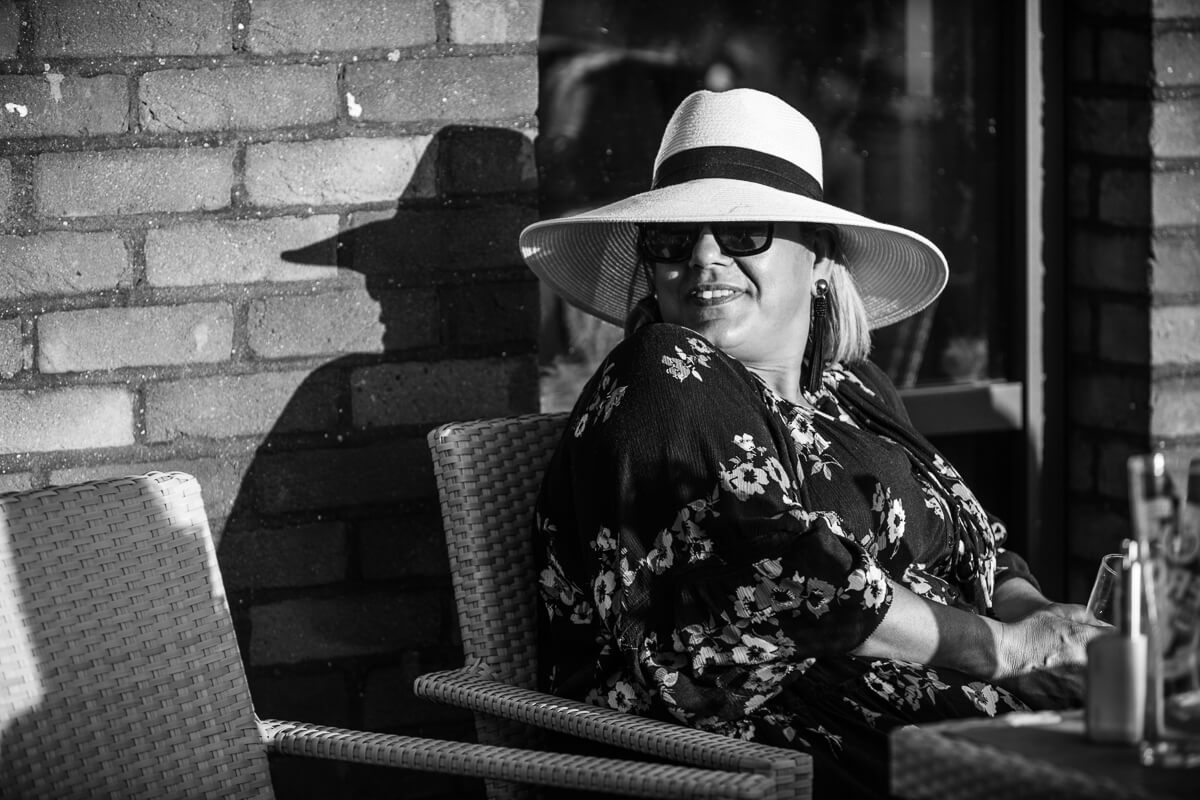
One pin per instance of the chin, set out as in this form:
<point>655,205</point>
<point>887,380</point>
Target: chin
<point>719,332</point>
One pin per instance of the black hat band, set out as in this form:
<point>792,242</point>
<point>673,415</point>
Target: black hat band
<point>739,163</point>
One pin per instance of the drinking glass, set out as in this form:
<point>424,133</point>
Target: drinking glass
<point>1104,599</point>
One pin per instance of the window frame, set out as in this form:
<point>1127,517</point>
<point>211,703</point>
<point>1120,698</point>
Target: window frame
<point>1033,404</point>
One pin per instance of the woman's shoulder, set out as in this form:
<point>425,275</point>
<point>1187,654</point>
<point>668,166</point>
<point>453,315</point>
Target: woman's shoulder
<point>663,368</point>
<point>672,346</point>
<point>658,335</point>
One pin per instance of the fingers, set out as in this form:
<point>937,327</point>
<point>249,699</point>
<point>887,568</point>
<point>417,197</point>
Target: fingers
<point>1073,612</point>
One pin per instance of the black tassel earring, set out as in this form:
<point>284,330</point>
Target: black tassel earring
<point>817,324</point>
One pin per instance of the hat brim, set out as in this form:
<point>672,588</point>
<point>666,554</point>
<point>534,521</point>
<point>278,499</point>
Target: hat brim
<point>591,259</point>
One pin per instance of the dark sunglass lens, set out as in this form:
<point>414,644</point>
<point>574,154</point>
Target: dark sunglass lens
<point>744,238</point>
<point>668,242</point>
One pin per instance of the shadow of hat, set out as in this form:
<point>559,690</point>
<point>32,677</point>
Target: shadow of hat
<point>460,210</point>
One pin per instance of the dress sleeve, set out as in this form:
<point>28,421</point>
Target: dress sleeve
<point>693,530</point>
<point>1009,564</point>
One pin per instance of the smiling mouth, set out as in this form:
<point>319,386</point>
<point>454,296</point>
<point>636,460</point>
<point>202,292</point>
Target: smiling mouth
<point>712,296</point>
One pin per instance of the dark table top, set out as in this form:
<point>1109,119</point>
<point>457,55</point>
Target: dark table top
<point>1026,756</point>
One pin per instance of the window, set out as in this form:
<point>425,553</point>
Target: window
<point>921,108</point>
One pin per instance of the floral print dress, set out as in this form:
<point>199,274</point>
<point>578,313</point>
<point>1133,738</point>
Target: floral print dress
<point>711,553</point>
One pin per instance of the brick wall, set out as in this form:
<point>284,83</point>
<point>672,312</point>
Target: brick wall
<point>271,243</point>
<point>1133,244</point>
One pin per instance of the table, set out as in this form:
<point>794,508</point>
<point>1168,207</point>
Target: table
<point>1029,756</point>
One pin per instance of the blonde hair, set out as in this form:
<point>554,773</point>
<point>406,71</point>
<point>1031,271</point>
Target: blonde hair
<point>849,331</point>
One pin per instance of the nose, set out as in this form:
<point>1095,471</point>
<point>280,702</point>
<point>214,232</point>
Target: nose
<point>705,250</point>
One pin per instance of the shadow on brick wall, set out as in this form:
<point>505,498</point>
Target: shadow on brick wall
<point>333,550</point>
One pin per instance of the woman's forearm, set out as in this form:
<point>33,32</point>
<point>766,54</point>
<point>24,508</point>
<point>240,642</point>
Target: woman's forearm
<point>926,632</point>
<point>920,630</point>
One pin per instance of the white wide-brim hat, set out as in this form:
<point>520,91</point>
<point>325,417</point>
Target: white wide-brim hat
<point>736,156</point>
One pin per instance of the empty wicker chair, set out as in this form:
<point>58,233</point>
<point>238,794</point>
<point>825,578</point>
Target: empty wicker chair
<point>488,474</point>
<point>120,675</point>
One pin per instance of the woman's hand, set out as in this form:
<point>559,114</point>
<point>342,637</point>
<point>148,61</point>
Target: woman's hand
<point>1051,638</point>
<point>1043,651</point>
<point>1043,656</point>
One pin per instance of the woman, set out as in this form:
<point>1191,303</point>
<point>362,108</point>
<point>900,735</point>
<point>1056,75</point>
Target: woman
<point>740,529</point>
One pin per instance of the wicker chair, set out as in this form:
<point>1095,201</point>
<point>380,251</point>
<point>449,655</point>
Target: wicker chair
<point>120,675</point>
<point>488,474</point>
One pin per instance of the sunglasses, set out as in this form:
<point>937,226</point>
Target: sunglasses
<point>667,242</point>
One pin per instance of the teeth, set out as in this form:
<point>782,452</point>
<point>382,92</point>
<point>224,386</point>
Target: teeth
<point>712,294</point>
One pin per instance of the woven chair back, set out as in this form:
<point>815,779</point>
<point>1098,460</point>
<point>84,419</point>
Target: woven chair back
<point>119,669</point>
<point>488,475</point>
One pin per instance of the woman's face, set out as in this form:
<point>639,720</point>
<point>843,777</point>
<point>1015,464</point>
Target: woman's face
<point>755,308</point>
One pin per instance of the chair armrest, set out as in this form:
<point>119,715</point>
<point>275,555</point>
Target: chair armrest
<point>472,688</point>
<point>583,773</point>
